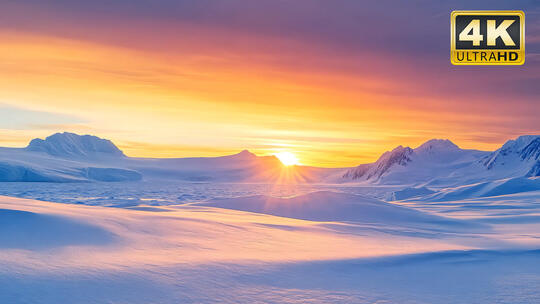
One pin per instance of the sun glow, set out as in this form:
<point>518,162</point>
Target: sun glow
<point>287,158</point>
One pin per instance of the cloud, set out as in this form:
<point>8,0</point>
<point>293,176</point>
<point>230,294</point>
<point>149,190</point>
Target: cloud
<point>14,118</point>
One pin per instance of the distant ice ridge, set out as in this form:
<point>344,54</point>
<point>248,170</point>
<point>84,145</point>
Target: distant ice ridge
<point>18,172</point>
<point>48,172</point>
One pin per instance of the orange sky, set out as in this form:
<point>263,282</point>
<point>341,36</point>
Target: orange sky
<point>210,91</point>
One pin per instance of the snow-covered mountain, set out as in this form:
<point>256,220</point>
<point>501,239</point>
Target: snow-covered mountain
<point>68,157</point>
<point>65,157</point>
<point>520,155</point>
<point>73,145</point>
<point>400,156</point>
<point>434,159</point>
<point>440,162</point>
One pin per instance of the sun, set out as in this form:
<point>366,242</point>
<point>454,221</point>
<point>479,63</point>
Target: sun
<point>287,158</point>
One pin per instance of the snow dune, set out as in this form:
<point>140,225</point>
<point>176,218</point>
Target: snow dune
<point>472,276</point>
<point>35,231</point>
<point>328,206</point>
<point>486,189</point>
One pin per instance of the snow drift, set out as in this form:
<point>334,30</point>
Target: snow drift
<point>34,231</point>
<point>328,206</point>
<point>67,253</point>
<point>486,189</point>
<point>410,192</point>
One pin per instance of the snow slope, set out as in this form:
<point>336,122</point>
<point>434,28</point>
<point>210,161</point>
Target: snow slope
<point>37,231</point>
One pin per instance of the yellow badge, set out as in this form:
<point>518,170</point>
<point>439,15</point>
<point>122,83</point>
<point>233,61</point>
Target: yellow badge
<point>487,37</point>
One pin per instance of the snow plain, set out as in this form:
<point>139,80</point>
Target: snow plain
<point>476,251</point>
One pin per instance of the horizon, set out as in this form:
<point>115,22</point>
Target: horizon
<point>178,80</point>
<point>299,163</point>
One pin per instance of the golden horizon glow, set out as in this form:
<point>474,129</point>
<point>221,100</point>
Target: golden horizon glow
<point>287,158</point>
<point>198,102</point>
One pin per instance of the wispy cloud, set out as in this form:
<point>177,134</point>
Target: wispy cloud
<point>15,118</point>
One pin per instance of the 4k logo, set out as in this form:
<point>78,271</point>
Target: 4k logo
<point>487,37</point>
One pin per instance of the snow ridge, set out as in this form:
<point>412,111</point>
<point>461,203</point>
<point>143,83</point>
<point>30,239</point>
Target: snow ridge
<point>399,156</point>
<point>525,147</point>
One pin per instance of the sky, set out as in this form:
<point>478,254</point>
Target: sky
<point>337,83</point>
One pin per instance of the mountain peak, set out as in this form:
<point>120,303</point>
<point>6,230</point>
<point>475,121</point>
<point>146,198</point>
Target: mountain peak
<point>70,144</point>
<point>246,153</point>
<point>433,145</point>
<point>243,155</point>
